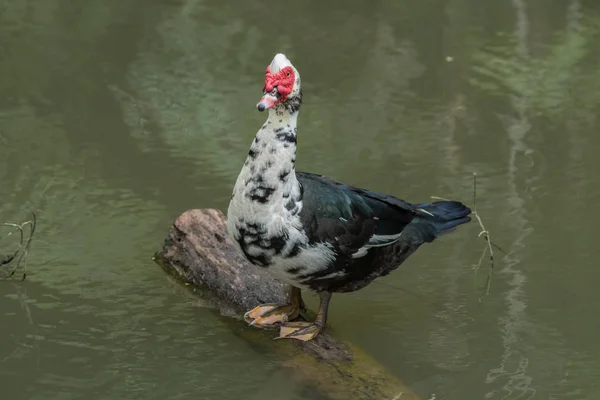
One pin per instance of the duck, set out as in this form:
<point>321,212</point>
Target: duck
<point>312,232</point>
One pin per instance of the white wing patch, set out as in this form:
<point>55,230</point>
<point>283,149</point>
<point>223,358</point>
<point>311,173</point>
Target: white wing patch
<point>376,241</point>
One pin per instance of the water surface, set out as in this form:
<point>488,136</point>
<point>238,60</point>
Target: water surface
<point>115,117</point>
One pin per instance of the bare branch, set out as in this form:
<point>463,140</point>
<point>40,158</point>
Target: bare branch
<point>486,234</point>
<point>20,254</point>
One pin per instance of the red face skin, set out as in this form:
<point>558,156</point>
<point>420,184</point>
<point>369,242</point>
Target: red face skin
<point>284,80</point>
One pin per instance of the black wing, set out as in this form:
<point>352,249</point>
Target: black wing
<point>351,219</point>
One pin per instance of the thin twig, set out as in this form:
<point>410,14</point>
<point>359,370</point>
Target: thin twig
<point>24,245</point>
<point>11,257</point>
<point>486,235</point>
<point>25,252</point>
<point>483,253</point>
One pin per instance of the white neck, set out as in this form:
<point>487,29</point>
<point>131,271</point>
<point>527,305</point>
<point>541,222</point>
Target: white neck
<point>268,181</point>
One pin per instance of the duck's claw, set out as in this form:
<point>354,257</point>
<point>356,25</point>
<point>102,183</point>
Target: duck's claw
<point>303,331</point>
<point>306,331</point>
<point>271,315</point>
<point>279,315</point>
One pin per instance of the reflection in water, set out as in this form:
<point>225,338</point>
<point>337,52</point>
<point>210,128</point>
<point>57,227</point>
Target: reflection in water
<point>513,369</point>
<point>117,116</point>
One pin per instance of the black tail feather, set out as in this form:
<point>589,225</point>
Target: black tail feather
<point>440,218</point>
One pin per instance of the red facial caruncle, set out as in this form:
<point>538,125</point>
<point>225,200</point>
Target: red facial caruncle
<point>283,81</point>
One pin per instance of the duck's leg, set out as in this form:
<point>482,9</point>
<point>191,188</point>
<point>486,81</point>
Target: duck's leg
<point>271,315</point>
<point>307,330</point>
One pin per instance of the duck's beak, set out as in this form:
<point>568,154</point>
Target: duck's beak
<point>266,102</point>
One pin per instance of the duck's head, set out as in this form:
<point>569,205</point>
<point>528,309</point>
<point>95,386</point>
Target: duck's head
<point>281,91</point>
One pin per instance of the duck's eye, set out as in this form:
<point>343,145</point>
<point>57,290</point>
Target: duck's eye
<point>287,73</point>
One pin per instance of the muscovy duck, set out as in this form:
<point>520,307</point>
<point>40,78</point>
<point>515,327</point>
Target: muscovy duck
<point>313,232</point>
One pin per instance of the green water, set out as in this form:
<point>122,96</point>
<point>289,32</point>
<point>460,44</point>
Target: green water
<point>117,116</point>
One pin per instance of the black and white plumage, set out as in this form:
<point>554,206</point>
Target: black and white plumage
<point>312,231</point>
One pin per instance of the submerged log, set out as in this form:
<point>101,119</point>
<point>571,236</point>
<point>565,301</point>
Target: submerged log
<point>199,252</point>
